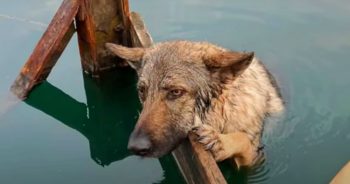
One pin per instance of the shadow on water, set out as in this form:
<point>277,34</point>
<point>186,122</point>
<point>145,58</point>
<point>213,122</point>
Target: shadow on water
<point>107,118</point>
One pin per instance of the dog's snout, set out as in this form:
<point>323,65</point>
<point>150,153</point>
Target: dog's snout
<point>140,144</point>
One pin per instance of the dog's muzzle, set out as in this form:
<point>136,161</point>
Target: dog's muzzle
<point>139,143</point>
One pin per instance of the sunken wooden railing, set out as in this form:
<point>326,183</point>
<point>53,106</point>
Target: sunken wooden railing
<point>98,22</point>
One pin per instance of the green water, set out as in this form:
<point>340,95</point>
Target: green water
<point>74,129</point>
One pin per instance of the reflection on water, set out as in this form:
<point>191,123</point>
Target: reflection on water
<point>107,118</point>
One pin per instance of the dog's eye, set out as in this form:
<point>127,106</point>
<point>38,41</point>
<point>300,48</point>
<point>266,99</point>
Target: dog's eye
<point>142,91</point>
<point>175,93</point>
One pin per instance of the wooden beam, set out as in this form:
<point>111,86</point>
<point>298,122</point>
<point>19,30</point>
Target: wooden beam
<point>124,14</point>
<point>196,165</point>
<point>86,37</point>
<point>47,50</point>
<point>139,33</point>
<point>99,22</point>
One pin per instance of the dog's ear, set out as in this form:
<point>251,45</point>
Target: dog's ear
<point>132,55</point>
<point>224,65</point>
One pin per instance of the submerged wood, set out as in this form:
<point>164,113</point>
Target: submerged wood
<point>47,50</point>
<point>196,165</point>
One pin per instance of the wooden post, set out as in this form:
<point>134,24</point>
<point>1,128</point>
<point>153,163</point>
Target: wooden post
<point>48,49</point>
<point>196,165</point>
<point>139,33</point>
<point>99,22</point>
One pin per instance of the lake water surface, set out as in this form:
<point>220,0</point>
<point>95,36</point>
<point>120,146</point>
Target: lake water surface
<point>73,129</point>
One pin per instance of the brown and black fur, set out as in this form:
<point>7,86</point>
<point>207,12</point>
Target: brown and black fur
<point>222,95</point>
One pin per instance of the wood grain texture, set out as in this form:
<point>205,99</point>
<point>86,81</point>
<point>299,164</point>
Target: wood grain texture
<point>124,13</point>
<point>197,165</point>
<point>99,22</point>
<point>140,36</point>
<point>86,37</point>
<point>47,50</point>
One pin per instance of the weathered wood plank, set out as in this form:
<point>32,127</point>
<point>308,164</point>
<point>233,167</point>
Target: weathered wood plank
<point>99,22</point>
<point>196,165</point>
<point>47,50</point>
<point>86,37</point>
<point>139,33</point>
<point>124,13</point>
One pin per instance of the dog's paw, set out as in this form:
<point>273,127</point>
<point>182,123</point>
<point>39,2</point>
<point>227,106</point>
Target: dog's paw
<point>212,141</point>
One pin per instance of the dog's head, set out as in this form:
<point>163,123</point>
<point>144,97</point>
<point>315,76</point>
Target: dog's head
<point>177,81</point>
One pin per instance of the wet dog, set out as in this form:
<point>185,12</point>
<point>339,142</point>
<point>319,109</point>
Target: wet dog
<point>222,95</point>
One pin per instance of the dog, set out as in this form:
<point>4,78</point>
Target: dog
<point>221,95</point>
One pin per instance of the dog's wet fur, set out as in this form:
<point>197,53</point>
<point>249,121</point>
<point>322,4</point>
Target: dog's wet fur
<point>221,95</point>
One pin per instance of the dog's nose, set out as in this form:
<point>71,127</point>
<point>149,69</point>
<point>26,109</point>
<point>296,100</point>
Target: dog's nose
<point>140,144</point>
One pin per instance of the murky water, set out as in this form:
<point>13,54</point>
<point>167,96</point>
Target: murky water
<point>73,129</point>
